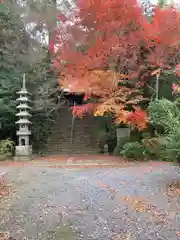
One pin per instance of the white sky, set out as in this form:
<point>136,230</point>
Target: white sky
<point>168,1</point>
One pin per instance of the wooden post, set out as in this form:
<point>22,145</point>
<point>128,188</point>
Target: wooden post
<point>157,85</point>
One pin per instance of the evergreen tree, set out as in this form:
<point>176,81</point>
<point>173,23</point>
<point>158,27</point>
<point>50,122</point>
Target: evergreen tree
<point>20,53</point>
<point>12,49</point>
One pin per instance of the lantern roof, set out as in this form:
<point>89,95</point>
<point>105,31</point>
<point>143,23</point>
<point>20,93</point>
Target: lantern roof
<point>23,91</point>
<point>23,114</point>
<point>23,121</point>
<point>23,106</point>
<point>23,99</point>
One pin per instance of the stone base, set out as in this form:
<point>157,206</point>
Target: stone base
<point>22,158</point>
<point>23,153</point>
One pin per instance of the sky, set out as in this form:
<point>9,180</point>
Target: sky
<point>169,1</point>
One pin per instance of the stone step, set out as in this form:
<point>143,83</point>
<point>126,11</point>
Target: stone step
<point>74,139</point>
<point>71,152</point>
<point>77,141</point>
<point>69,125</point>
<point>65,141</point>
<point>73,143</point>
<point>72,148</point>
<point>67,151</point>
<point>83,140</point>
<point>84,131</point>
<point>67,136</point>
<point>88,129</point>
<point>75,131</point>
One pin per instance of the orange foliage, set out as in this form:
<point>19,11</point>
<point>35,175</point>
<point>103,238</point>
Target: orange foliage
<point>80,111</point>
<point>138,118</point>
<point>95,82</point>
<point>105,44</point>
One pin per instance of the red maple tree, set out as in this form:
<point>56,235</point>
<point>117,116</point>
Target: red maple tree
<point>105,50</point>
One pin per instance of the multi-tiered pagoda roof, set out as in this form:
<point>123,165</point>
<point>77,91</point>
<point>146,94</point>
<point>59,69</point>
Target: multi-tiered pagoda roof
<point>23,113</point>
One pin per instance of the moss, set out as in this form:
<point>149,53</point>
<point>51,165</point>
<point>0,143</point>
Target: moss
<point>64,233</point>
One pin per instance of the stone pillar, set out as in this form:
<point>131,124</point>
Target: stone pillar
<point>122,133</point>
<point>24,148</point>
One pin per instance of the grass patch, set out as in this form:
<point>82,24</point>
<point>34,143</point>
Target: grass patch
<point>63,232</point>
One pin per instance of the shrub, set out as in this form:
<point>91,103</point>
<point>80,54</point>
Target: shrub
<point>165,114</point>
<point>6,148</point>
<point>133,150</point>
<point>172,147</point>
<point>154,147</point>
<point>101,140</point>
<point>121,144</point>
<point>106,134</point>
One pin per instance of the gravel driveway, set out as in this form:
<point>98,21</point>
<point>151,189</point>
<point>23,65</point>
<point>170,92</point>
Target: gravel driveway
<point>132,203</point>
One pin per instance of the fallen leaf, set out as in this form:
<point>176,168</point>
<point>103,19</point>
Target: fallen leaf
<point>139,204</point>
<point>119,236</point>
<point>4,191</point>
<point>4,235</point>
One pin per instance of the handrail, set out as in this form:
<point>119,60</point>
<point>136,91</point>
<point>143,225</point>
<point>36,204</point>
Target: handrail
<point>72,130</point>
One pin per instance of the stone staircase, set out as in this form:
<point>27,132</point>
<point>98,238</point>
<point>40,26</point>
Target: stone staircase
<point>83,137</point>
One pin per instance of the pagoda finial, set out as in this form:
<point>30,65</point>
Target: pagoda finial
<point>24,81</point>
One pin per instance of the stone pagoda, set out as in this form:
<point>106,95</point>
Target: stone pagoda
<point>24,148</point>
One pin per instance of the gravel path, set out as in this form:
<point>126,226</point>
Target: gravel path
<point>131,203</point>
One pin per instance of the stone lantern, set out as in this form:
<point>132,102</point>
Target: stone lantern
<point>24,148</point>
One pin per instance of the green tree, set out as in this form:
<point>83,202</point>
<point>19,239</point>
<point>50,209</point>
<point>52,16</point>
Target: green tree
<point>20,53</point>
<point>13,45</point>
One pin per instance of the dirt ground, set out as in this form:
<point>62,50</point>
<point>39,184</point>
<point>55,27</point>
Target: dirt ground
<point>55,200</point>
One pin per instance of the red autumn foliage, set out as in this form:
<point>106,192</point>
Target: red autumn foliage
<point>62,18</point>
<point>80,111</point>
<point>105,44</point>
<point>137,118</point>
<point>86,98</point>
